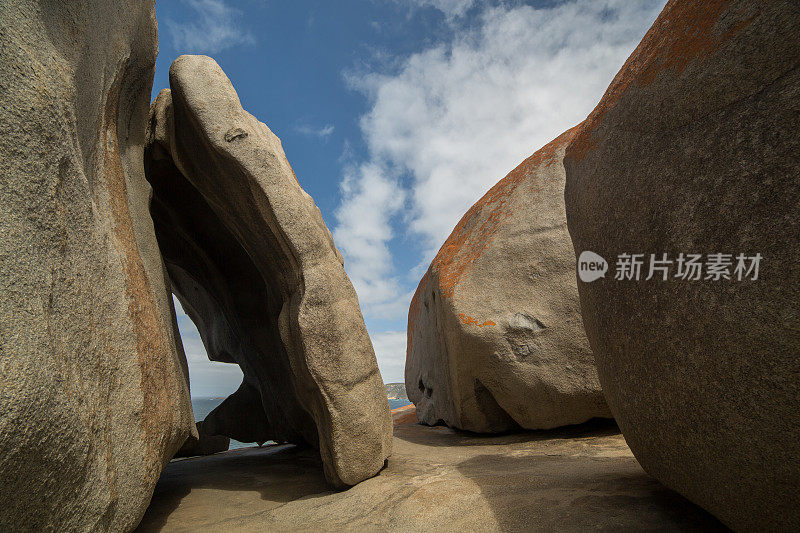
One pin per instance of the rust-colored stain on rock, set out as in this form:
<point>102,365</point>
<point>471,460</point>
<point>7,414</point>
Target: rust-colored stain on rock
<point>151,345</point>
<point>468,320</point>
<point>684,32</point>
<point>405,415</point>
<point>477,227</point>
<point>475,231</point>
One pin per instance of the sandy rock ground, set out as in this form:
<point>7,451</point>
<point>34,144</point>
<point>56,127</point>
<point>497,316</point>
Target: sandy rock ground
<point>577,478</point>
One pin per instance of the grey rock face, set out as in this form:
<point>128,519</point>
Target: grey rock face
<point>495,339</point>
<point>93,393</point>
<point>255,267</point>
<point>694,149</point>
<point>203,444</point>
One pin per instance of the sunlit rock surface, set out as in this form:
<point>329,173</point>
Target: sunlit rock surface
<point>93,393</point>
<point>495,338</point>
<point>255,267</point>
<point>571,479</point>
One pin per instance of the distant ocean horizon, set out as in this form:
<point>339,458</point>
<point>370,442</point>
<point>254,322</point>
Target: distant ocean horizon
<point>394,404</point>
<point>203,406</point>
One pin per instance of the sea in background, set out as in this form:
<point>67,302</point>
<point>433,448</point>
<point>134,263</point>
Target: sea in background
<point>394,404</point>
<point>203,406</point>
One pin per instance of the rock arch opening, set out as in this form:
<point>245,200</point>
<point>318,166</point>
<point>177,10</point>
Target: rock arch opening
<point>210,382</point>
<point>253,265</point>
<point>235,310</point>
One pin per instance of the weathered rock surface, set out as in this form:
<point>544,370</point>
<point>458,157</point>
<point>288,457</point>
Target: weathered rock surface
<point>255,267</point>
<point>694,149</point>
<point>495,339</point>
<point>93,393</point>
<point>203,444</point>
<point>576,479</point>
<point>405,415</point>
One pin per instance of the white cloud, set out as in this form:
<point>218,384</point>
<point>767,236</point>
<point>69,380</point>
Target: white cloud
<point>214,27</point>
<point>451,8</point>
<point>455,118</point>
<point>390,349</point>
<point>323,133</point>
<point>362,233</point>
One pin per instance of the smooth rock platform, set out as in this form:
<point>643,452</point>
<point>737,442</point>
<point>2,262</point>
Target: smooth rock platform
<point>576,478</point>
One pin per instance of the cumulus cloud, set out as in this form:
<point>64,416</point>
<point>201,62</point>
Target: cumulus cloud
<point>451,8</point>
<point>363,232</point>
<point>390,349</point>
<point>455,118</point>
<point>212,26</point>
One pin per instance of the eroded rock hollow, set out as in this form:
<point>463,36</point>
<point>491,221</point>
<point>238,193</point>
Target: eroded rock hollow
<point>495,337</point>
<point>255,267</point>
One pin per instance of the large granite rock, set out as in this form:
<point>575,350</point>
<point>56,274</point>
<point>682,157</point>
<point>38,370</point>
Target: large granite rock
<point>694,149</point>
<point>255,267</point>
<point>93,395</point>
<point>495,339</point>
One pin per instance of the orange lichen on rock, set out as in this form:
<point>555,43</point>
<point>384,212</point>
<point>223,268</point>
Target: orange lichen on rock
<point>478,226</point>
<point>153,348</point>
<point>683,32</point>
<point>405,415</point>
<point>468,320</point>
<point>475,357</point>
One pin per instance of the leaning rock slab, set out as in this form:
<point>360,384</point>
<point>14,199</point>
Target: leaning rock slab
<point>694,149</point>
<point>93,396</point>
<point>255,267</point>
<point>495,338</point>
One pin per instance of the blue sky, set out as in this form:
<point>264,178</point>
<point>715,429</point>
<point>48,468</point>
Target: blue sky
<point>397,115</point>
